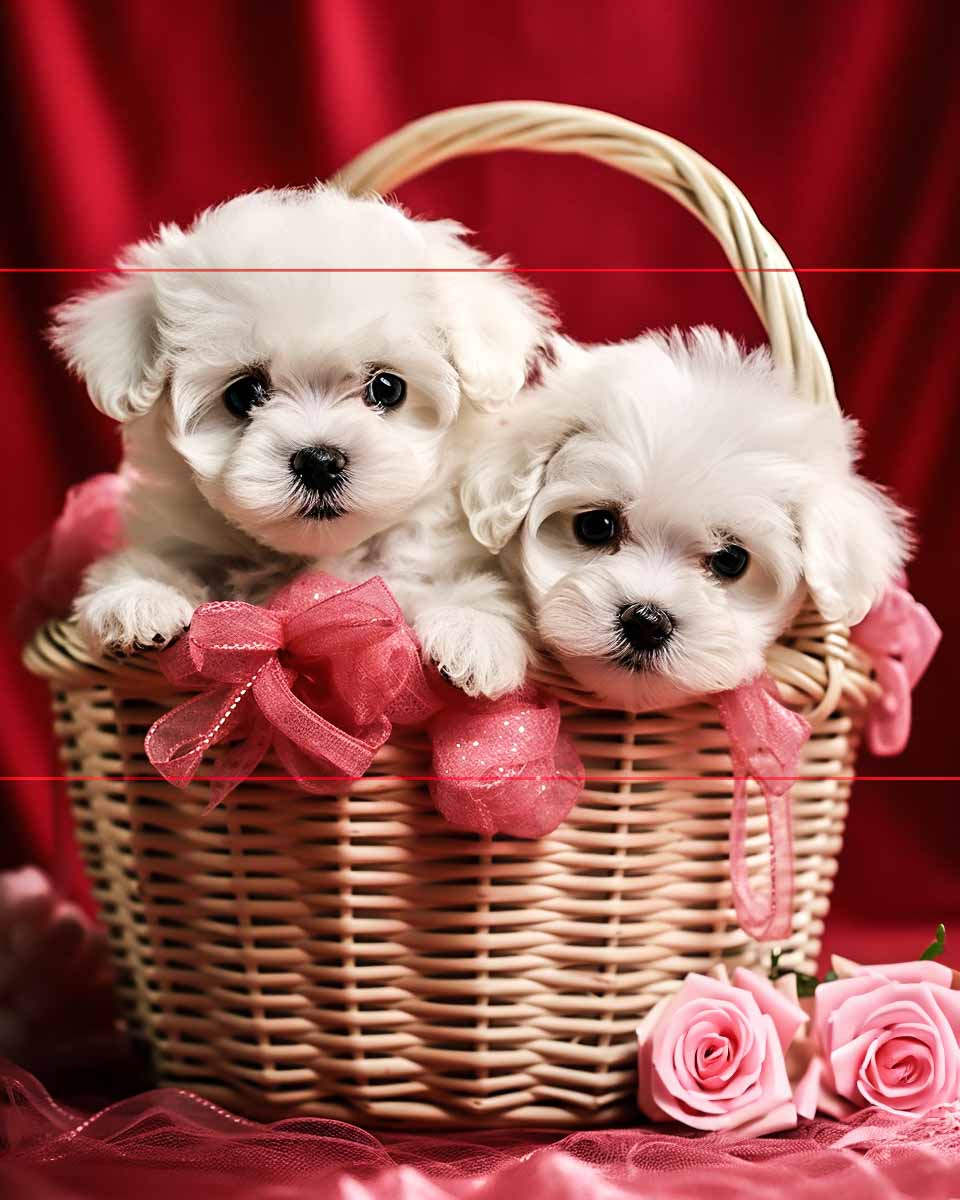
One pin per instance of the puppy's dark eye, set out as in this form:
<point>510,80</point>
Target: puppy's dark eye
<point>729,562</point>
<point>385,390</point>
<point>245,394</point>
<point>598,527</point>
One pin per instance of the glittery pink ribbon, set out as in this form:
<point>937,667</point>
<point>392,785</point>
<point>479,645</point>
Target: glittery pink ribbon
<point>901,638</point>
<point>504,766</point>
<point>321,674</point>
<point>766,739</point>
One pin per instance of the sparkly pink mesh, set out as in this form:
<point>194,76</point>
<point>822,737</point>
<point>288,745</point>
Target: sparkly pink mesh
<point>169,1145</point>
<point>504,766</point>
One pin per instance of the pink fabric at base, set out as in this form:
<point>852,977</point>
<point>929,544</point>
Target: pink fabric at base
<point>169,1143</point>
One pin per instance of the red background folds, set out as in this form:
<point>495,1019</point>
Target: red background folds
<point>841,122</point>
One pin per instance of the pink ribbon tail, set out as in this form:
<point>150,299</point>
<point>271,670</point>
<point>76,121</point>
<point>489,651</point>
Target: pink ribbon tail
<point>766,739</point>
<point>236,763</point>
<point>176,742</point>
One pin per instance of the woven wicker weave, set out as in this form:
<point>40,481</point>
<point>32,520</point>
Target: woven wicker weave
<point>354,956</point>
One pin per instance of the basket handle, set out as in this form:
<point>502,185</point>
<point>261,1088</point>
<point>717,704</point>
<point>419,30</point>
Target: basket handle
<point>659,160</point>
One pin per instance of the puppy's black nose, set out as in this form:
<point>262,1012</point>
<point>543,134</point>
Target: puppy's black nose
<point>645,626</point>
<point>319,468</point>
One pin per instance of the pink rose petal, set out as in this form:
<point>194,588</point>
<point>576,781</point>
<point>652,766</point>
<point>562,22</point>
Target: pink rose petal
<point>787,1016</point>
<point>807,1089</point>
<point>926,971</point>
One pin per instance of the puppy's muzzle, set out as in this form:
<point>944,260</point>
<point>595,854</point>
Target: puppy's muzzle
<point>645,627</point>
<point>319,469</point>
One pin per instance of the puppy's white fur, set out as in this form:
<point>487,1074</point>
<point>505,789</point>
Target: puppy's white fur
<point>214,509</point>
<point>695,444</point>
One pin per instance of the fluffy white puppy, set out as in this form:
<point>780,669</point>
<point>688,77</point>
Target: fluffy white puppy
<point>271,418</point>
<point>667,503</point>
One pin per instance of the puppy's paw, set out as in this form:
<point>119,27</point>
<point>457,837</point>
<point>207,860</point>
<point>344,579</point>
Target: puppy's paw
<point>482,654</point>
<point>133,615</point>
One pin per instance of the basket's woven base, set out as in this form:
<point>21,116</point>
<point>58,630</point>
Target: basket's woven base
<point>353,956</point>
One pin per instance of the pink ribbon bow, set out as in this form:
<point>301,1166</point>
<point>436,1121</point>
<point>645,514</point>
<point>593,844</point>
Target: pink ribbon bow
<point>321,674</point>
<point>504,766</point>
<point>766,739</point>
<point>901,637</point>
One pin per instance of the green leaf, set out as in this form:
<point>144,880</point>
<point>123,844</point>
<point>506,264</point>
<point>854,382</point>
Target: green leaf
<point>830,977</point>
<point>774,972</point>
<point>936,947</point>
<point>806,984</point>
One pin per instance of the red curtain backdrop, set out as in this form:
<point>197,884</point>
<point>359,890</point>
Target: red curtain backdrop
<point>841,122</point>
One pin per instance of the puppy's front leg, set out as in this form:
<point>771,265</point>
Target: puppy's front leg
<point>136,598</point>
<point>474,630</point>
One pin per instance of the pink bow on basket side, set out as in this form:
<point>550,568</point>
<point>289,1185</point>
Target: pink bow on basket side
<point>89,527</point>
<point>901,638</point>
<point>322,674</point>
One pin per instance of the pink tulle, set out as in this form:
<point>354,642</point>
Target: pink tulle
<point>88,528</point>
<point>169,1143</point>
<point>766,739</point>
<point>504,766</point>
<point>901,637</point>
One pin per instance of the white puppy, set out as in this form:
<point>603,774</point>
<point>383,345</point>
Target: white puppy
<point>271,418</point>
<point>667,503</point>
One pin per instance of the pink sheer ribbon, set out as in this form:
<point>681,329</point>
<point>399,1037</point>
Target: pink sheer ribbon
<point>766,739</point>
<point>322,674</point>
<point>901,637</point>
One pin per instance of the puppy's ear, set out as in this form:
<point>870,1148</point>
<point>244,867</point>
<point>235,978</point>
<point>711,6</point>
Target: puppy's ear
<point>504,475</point>
<point>855,540</point>
<point>498,492</point>
<point>108,337</point>
<point>496,326</point>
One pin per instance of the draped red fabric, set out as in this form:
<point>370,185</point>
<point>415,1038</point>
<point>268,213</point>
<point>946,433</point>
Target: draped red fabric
<point>840,122</point>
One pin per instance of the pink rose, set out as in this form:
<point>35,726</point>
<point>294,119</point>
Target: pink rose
<point>713,1055</point>
<point>54,980</point>
<point>886,1036</point>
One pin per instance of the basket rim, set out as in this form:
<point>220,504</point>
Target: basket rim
<point>813,663</point>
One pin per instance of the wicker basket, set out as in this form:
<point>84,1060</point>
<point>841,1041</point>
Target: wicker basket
<point>355,957</point>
